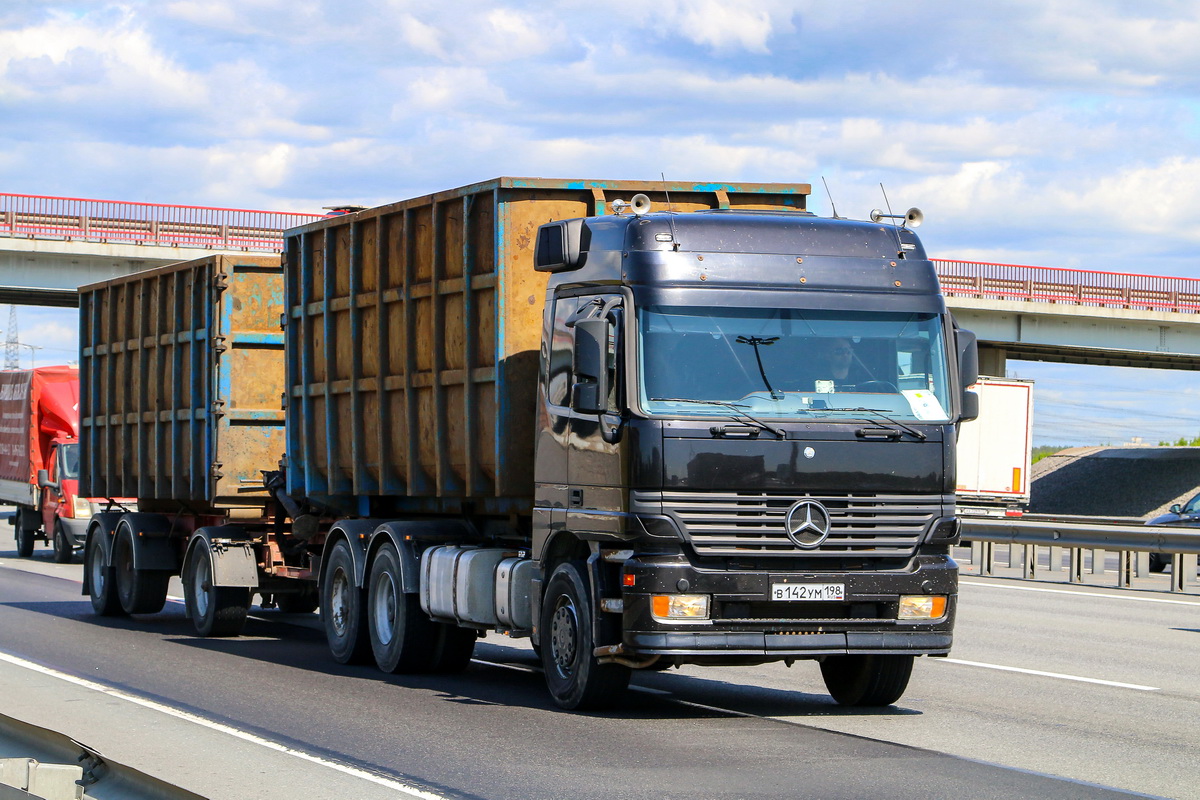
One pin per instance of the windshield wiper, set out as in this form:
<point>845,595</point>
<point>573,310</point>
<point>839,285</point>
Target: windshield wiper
<point>738,414</point>
<point>879,412</point>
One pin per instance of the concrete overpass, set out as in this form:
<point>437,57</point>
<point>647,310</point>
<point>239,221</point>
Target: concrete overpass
<point>1074,316</point>
<point>49,246</point>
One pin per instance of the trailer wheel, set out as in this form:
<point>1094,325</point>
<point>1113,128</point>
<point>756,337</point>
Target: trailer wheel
<point>64,551</point>
<point>103,588</point>
<point>25,535</point>
<point>866,680</point>
<point>575,678</point>
<point>343,609</point>
<point>403,637</point>
<point>214,610</point>
<point>141,591</point>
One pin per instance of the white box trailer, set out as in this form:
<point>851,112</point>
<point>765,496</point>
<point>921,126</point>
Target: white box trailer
<point>994,451</point>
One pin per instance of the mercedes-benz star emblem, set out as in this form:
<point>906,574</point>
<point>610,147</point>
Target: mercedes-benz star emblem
<point>807,523</point>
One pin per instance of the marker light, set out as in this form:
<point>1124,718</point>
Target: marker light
<point>922,606</point>
<point>679,606</point>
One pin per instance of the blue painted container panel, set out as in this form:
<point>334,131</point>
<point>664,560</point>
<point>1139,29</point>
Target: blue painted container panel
<point>182,377</point>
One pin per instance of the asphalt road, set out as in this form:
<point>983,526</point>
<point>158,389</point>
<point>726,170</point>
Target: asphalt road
<point>1051,692</point>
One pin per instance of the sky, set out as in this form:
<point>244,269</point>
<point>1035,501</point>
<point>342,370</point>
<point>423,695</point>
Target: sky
<point>1055,133</point>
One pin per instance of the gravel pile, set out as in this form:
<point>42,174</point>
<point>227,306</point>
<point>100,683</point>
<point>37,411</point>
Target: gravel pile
<point>1135,482</point>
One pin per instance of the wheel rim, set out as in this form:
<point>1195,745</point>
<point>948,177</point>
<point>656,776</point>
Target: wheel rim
<point>564,636</point>
<point>339,602</point>
<point>201,584</point>
<point>98,570</point>
<point>383,609</point>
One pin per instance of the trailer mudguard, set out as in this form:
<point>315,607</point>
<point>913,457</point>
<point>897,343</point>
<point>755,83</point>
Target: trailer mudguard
<point>152,545</point>
<point>102,527</point>
<point>234,562</point>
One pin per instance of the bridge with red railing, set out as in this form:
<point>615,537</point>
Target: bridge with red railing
<point>1043,313</point>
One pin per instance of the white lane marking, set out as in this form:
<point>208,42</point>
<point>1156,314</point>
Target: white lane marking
<point>1042,674</point>
<point>1077,593</point>
<point>398,786</point>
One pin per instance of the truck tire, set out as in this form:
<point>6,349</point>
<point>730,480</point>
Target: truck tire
<point>215,611</point>
<point>343,609</point>
<point>576,680</point>
<point>403,637</point>
<point>26,536</point>
<point>103,587</point>
<point>141,591</point>
<point>64,551</point>
<point>867,680</point>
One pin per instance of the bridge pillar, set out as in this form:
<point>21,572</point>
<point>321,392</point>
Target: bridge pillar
<point>992,361</point>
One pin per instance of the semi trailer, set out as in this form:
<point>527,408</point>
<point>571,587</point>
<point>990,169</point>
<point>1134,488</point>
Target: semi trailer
<point>995,451</point>
<point>643,424</point>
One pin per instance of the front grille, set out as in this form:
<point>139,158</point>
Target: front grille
<point>869,526</point>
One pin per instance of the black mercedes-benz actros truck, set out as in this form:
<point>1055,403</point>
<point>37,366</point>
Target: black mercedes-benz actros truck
<point>745,449</point>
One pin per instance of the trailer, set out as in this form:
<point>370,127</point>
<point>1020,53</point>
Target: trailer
<point>995,451</point>
<point>593,413</point>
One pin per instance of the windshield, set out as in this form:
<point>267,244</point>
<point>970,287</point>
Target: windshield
<point>68,462</point>
<point>793,363</point>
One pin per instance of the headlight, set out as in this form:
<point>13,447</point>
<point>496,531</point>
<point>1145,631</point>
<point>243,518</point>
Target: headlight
<point>82,508</point>
<point>679,606</point>
<point>922,606</point>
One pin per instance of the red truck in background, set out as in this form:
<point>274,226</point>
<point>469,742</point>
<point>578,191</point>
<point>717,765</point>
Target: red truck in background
<point>39,459</point>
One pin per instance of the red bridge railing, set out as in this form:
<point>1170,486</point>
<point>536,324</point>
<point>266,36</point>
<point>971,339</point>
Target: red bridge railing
<point>1068,286</point>
<point>36,217</point>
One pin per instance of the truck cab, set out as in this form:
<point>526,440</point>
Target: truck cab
<point>745,448</point>
<point>65,515</point>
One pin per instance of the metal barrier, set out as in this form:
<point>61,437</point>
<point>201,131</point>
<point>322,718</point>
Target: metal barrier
<point>38,217</point>
<point>1069,286</point>
<point>1088,542</point>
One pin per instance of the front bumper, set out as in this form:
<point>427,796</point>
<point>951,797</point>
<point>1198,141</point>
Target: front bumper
<point>76,530</point>
<point>745,622</point>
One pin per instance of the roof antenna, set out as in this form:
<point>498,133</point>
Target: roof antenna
<point>895,227</point>
<point>830,196</point>
<point>670,215</point>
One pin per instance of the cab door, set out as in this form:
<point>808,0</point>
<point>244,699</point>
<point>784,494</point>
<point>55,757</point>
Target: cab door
<point>51,498</point>
<point>595,463</point>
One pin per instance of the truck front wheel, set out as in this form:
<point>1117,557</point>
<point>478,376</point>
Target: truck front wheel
<point>213,610</point>
<point>575,678</point>
<point>102,587</point>
<point>342,608</point>
<point>64,551</point>
<point>866,680</point>
<point>141,591</point>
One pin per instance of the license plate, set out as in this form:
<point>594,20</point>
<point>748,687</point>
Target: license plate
<point>808,591</point>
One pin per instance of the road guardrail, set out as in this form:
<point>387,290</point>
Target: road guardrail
<point>1087,541</point>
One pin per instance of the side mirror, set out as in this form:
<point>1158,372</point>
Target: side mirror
<point>590,393</point>
<point>1175,509</point>
<point>43,479</point>
<point>968,372</point>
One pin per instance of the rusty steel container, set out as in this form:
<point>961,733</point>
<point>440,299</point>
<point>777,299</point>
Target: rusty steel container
<point>181,381</point>
<point>413,332</point>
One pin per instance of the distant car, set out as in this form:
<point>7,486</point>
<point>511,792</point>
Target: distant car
<point>1185,516</point>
